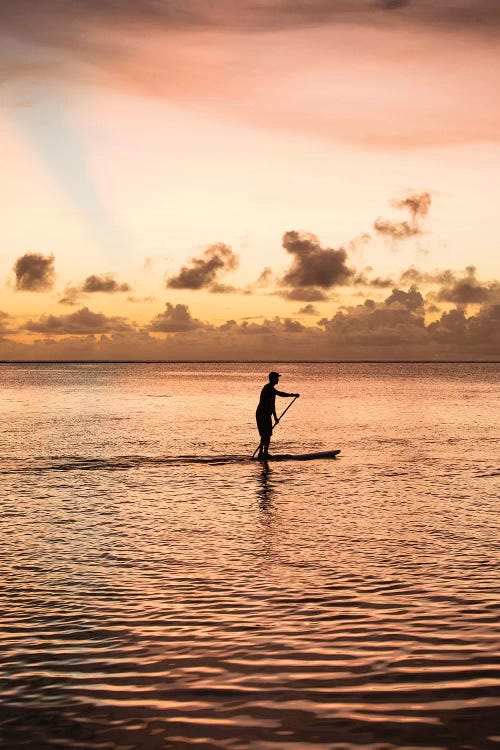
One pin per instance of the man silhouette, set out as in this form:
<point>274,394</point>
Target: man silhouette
<point>266,410</point>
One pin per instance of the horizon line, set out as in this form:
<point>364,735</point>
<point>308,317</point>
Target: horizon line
<point>246,361</point>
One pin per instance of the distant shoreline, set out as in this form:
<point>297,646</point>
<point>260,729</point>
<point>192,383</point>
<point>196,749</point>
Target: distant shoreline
<point>249,361</point>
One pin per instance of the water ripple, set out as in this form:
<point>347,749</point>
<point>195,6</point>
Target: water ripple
<point>153,597</point>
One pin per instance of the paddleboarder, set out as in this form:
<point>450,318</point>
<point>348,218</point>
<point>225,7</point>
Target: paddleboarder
<point>266,410</point>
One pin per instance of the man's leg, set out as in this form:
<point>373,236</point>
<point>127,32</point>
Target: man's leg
<point>265,446</point>
<point>261,449</point>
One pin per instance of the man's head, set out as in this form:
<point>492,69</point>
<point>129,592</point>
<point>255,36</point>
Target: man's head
<point>274,377</point>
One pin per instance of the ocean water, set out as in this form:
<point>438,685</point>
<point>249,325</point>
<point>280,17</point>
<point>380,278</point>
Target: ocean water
<point>158,589</point>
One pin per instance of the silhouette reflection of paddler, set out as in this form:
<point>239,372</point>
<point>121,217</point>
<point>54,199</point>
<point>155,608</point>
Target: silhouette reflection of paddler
<point>266,410</point>
<point>265,489</point>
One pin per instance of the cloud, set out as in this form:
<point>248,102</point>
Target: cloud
<point>203,272</point>
<point>274,327</point>
<point>307,294</point>
<point>392,329</point>
<point>65,23</point>
<point>379,283</point>
<point>418,205</point>
<point>134,300</point>
<point>468,290</point>
<point>34,272</point>
<point>397,230</point>
<point>411,300</point>
<point>357,245</point>
<point>378,327</point>
<point>105,283</point>
<point>266,278</point>
<point>313,268</point>
<point>218,288</point>
<point>413,275</point>
<point>83,321</point>
<point>362,279</point>
<point>175,319</point>
<point>477,334</point>
<point>277,50</point>
<point>459,289</point>
<point>5,319</point>
<point>71,295</point>
<point>396,329</point>
<point>308,310</point>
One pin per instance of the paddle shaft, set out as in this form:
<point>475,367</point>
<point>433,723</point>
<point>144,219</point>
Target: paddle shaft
<point>279,420</point>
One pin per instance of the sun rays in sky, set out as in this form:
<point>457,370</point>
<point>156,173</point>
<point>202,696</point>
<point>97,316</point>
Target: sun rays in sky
<point>239,180</point>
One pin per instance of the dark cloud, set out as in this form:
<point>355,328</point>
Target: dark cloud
<point>64,22</point>
<point>313,266</point>
<point>61,21</point>
<point>411,300</point>
<point>380,283</point>
<point>418,205</point>
<point>34,272</point>
<point>203,272</point>
<point>106,283</point>
<point>468,290</point>
<point>413,275</point>
<point>431,309</point>
<point>108,43</point>
<point>266,278</point>
<point>175,319</point>
<point>397,230</point>
<point>83,321</point>
<point>363,278</point>
<point>450,14</point>
<point>396,329</point>
<point>306,294</point>
<point>476,334</point>
<point>269,327</point>
<point>71,295</point>
<point>465,292</point>
<point>293,326</point>
<point>308,310</point>
<point>378,326</point>
<point>218,288</point>
<point>392,329</point>
<point>455,288</point>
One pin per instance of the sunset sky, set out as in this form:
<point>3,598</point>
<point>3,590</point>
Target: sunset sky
<point>264,180</point>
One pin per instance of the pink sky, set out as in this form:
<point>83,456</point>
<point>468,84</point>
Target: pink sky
<point>137,136</point>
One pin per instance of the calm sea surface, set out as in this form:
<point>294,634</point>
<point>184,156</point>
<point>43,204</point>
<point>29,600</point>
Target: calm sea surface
<point>160,590</point>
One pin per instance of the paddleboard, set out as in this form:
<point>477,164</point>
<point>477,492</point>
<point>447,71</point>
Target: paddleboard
<point>303,456</point>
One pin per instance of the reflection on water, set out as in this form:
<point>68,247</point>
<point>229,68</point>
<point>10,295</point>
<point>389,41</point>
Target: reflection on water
<point>160,590</point>
<point>265,490</point>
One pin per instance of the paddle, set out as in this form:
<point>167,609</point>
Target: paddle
<point>277,423</point>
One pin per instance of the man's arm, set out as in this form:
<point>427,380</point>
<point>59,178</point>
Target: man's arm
<point>286,395</point>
